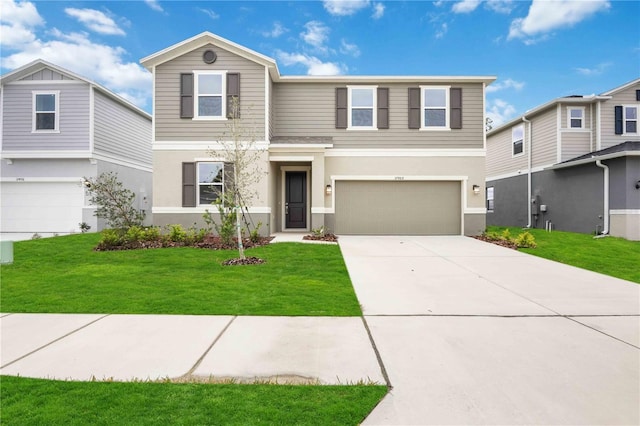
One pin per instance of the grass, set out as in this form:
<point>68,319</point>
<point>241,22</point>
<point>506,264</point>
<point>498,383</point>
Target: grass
<point>612,256</point>
<point>65,275</point>
<point>49,402</point>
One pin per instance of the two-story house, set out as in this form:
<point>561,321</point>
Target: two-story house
<point>572,164</point>
<point>58,128</point>
<point>356,154</point>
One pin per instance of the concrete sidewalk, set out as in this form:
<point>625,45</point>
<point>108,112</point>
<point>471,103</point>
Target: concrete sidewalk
<point>473,333</point>
<point>325,350</point>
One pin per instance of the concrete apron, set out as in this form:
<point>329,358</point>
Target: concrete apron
<point>319,350</point>
<point>473,333</point>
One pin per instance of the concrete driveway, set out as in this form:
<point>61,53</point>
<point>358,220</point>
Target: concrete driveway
<point>472,333</point>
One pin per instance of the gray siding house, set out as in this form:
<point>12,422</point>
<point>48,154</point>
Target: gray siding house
<point>56,129</point>
<point>356,154</point>
<point>572,164</point>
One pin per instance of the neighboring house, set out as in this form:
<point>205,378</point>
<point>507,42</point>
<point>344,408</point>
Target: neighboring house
<point>58,128</point>
<point>356,154</point>
<point>572,164</point>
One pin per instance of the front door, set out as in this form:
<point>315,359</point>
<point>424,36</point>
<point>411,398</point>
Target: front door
<point>295,207</point>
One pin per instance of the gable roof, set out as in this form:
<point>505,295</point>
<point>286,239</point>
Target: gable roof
<point>621,88</point>
<point>203,39</point>
<point>40,64</point>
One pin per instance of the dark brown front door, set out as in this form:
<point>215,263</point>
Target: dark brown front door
<point>295,207</point>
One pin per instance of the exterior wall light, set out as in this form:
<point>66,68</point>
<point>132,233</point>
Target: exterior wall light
<point>328,190</point>
<point>476,189</point>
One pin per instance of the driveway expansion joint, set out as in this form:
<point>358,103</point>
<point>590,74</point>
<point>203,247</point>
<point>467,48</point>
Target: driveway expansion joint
<point>54,341</point>
<point>383,369</point>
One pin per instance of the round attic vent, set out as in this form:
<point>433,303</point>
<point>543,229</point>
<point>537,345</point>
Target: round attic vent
<point>209,56</point>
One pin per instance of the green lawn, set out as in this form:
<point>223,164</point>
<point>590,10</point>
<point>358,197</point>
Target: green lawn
<point>49,402</point>
<point>64,275</point>
<point>612,256</point>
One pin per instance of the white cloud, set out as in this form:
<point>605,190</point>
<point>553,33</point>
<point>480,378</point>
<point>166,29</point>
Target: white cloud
<point>95,20</point>
<point>597,70</point>
<point>344,7</point>
<point>349,49</point>
<point>153,4</point>
<point>276,31</point>
<point>17,22</point>
<point>500,6</point>
<point>378,11</point>
<point>500,111</point>
<point>440,33</point>
<point>314,65</point>
<point>505,84</point>
<point>546,16</point>
<point>316,34</point>
<point>210,13</point>
<point>465,6</point>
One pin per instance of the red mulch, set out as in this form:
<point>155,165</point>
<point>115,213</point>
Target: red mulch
<point>327,237</point>
<point>502,243</point>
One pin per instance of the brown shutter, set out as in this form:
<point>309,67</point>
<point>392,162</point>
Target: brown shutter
<point>228,177</point>
<point>383,108</point>
<point>233,91</point>
<point>189,184</point>
<point>341,108</point>
<point>186,95</point>
<point>455,111</point>
<point>414,107</point>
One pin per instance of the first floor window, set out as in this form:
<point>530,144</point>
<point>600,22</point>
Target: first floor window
<point>210,182</point>
<point>362,105</point>
<point>490,199</point>
<point>517,140</point>
<point>45,111</point>
<point>435,104</point>
<point>209,90</point>
<point>631,119</point>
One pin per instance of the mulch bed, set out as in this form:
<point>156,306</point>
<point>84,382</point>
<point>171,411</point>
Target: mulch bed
<point>246,261</point>
<point>211,242</point>
<point>502,243</point>
<point>331,238</point>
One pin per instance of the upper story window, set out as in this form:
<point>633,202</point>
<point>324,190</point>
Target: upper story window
<point>630,119</point>
<point>517,140</point>
<point>209,90</point>
<point>435,107</point>
<point>46,111</point>
<point>575,117</point>
<point>210,182</point>
<point>362,107</point>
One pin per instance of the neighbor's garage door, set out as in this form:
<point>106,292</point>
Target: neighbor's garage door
<point>41,206</point>
<point>398,207</point>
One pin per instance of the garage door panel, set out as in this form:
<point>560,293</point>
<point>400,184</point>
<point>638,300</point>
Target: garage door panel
<point>399,208</point>
<point>41,206</point>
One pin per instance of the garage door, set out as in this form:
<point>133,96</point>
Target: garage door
<point>41,206</point>
<point>398,208</point>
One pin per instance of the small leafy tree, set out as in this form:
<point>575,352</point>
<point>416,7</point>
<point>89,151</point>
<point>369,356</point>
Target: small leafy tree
<point>114,201</point>
<point>238,147</point>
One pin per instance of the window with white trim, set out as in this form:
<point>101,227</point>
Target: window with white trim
<point>209,90</point>
<point>517,140</point>
<point>435,107</point>
<point>362,107</point>
<point>210,182</point>
<point>490,204</point>
<point>630,118</point>
<point>575,117</point>
<point>46,107</point>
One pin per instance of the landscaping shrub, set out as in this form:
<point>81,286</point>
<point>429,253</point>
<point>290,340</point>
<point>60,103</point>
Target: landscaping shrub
<point>525,240</point>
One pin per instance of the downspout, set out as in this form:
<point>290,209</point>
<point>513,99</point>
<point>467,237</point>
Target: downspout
<point>605,231</point>
<point>524,119</point>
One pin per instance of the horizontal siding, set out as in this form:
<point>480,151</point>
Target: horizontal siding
<point>169,125</point>
<point>308,109</point>
<point>574,144</point>
<point>120,131</point>
<point>500,159</point>
<point>545,138</point>
<point>18,118</point>
<point>625,97</point>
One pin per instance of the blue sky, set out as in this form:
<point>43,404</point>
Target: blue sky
<point>539,50</point>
